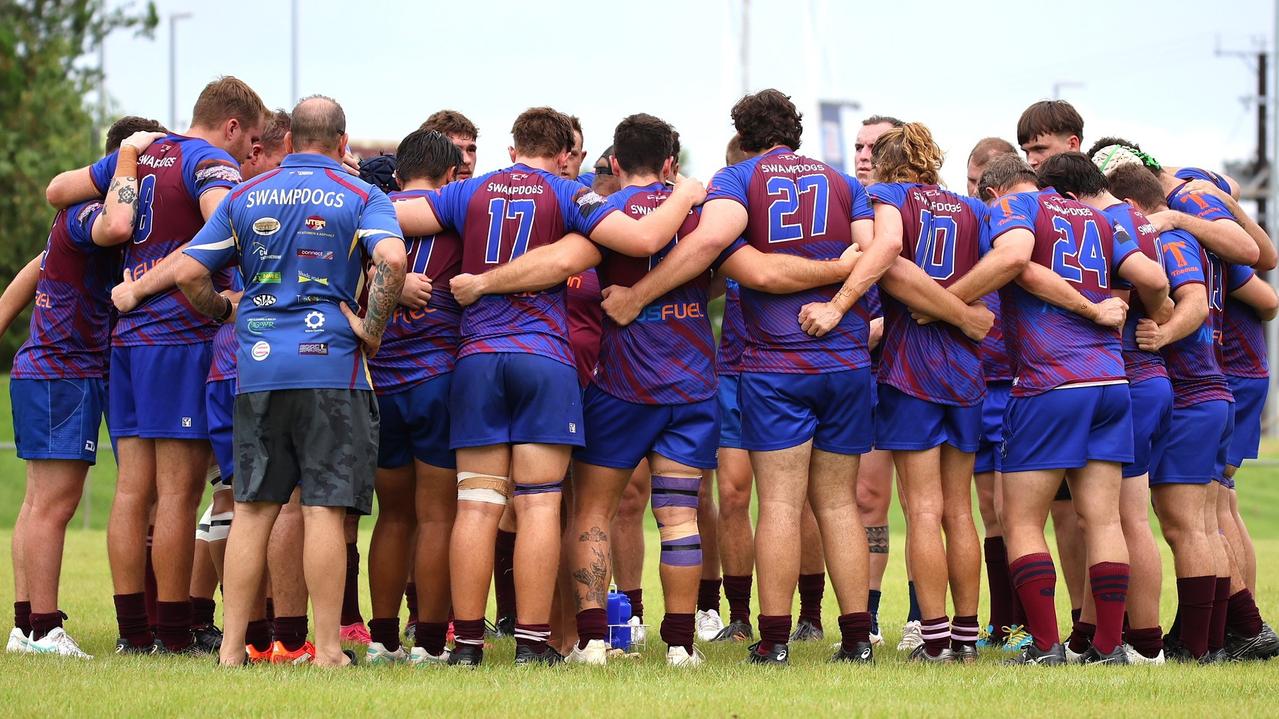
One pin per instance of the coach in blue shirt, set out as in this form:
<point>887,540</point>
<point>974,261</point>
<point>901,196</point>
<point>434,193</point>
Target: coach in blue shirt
<point>305,414</point>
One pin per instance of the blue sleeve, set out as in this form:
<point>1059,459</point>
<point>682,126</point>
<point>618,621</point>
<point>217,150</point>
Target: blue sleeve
<point>449,203</point>
<point>587,179</point>
<point>861,201</point>
<point>733,246</point>
<point>889,193</point>
<point>103,170</point>
<point>80,219</point>
<point>731,183</point>
<point>1012,212</point>
<point>582,209</point>
<point>1124,246</point>
<point>592,209</point>
<point>1195,173</point>
<point>1182,258</point>
<point>1205,207</point>
<point>208,168</point>
<point>1237,276</point>
<point>214,246</point>
<point>378,221</point>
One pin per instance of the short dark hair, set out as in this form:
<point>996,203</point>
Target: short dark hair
<point>542,132</point>
<point>988,147</point>
<point>881,119</point>
<point>1052,117</point>
<point>1137,185</point>
<point>451,122</point>
<point>766,119</point>
<point>675,148</point>
<point>127,125</point>
<point>317,122</point>
<point>576,123</point>
<point>1002,172</point>
<point>228,98</point>
<point>642,143</point>
<point>1072,173</point>
<point>426,155</point>
<point>278,124</point>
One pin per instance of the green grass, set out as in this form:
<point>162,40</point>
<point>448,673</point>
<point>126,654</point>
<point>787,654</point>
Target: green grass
<point>112,686</point>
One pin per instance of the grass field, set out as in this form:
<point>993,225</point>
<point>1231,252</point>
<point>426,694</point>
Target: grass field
<point>111,686</point>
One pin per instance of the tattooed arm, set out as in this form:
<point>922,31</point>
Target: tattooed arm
<point>120,209</point>
<point>389,263</point>
<point>196,282</point>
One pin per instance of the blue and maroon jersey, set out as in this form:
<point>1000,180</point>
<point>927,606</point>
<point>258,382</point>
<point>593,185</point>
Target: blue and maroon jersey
<point>1195,173</point>
<point>422,343</point>
<point>1244,339</point>
<point>1138,363</point>
<point>798,206</point>
<point>667,355</point>
<point>1205,207</point>
<point>224,342</point>
<point>732,332</point>
<point>500,216</point>
<point>942,233</point>
<point>1194,361</point>
<point>996,365</point>
<point>172,175</point>
<point>71,322</point>
<point>874,307</point>
<point>1050,346</point>
<point>585,323</point>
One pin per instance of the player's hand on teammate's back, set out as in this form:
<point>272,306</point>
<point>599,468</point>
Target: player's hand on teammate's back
<point>1150,336</point>
<point>417,290</point>
<point>141,140</point>
<point>1111,312</point>
<point>978,321</point>
<point>620,304</point>
<point>371,344</point>
<point>818,318</point>
<point>1163,220</point>
<point>466,288</point>
<point>690,187</point>
<point>1204,187</point>
<point>124,295</point>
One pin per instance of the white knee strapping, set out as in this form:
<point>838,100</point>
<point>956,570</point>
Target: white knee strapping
<point>213,475</point>
<point>487,488</point>
<point>202,526</point>
<point>220,526</point>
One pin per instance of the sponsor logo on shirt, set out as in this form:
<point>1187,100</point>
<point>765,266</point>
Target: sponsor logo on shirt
<point>259,325</point>
<point>186,422</point>
<point>266,226</point>
<point>260,351</point>
<point>309,254</point>
<point>216,170</point>
<point>267,278</point>
<point>314,321</point>
<point>310,299</point>
<point>90,445</point>
<point>304,277</point>
<point>264,300</point>
<point>313,348</point>
<point>293,196</point>
<point>260,251</point>
<point>315,222</point>
<point>86,211</point>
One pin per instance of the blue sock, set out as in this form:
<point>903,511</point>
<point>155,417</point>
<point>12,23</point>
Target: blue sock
<point>872,605</point>
<point>914,615</point>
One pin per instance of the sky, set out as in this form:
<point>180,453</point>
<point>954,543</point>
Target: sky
<point>1148,71</point>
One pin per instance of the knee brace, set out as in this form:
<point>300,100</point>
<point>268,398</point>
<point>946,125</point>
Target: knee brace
<point>220,526</point>
<point>487,488</point>
<point>681,544</point>
<point>671,491</point>
<point>202,526</point>
<point>523,490</point>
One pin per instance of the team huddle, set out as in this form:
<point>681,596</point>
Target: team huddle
<point>515,363</point>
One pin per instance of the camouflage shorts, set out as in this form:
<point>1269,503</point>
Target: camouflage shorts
<point>324,440</point>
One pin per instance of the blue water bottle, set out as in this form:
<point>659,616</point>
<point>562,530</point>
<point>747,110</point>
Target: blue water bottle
<point>619,613</point>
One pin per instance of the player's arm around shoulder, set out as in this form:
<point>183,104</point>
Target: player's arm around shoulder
<point>1260,296</point>
<point>646,236</point>
<point>1148,279</point>
<point>537,269</point>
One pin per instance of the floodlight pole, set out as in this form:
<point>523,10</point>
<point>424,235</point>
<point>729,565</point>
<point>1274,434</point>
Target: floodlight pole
<point>173,67</point>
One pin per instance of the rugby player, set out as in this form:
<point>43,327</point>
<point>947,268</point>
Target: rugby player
<point>458,128</point>
<point>162,437</point>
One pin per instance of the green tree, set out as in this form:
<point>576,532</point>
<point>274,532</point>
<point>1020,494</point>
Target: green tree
<point>46,123</point>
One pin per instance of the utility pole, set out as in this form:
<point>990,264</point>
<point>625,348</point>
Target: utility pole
<point>293,70</point>
<point>173,67</point>
<point>746,47</point>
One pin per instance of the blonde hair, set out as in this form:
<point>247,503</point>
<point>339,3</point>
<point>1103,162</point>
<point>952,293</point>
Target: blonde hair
<point>907,154</point>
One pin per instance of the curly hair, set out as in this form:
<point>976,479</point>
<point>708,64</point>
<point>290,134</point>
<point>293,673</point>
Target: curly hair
<point>907,154</point>
<point>767,119</point>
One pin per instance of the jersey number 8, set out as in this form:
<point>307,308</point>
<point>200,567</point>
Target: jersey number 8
<point>146,195</point>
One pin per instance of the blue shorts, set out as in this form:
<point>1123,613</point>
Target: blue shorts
<point>1195,437</point>
<point>219,402</point>
<point>622,433</point>
<point>1151,413</point>
<point>782,410</point>
<point>157,392</point>
<point>57,418</point>
<point>1068,427</point>
<point>989,458</point>
<point>415,425</point>
<point>1223,451</point>
<point>513,398</point>
<point>1250,399</point>
<point>730,413</point>
<point>907,423</point>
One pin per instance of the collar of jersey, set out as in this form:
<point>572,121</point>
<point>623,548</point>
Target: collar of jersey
<point>310,159</point>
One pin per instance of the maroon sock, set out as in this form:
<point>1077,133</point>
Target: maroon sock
<point>1242,617</point>
<point>174,628</point>
<point>773,629</point>
<point>258,634</point>
<point>811,589</point>
<point>410,598</point>
<point>1109,582</point>
<point>1194,609</point>
<point>22,617</point>
<point>1019,610</point>
<point>636,597</point>
<point>386,632</point>
<point>1036,580</point>
<point>149,587</point>
<point>1001,589</point>
<point>591,624</point>
<point>431,635</point>
<point>290,631</point>
<point>504,573</point>
<point>270,610</point>
<point>737,590</point>
<point>708,595</point>
<point>964,631</point>
<point>466,631</point>
<point>677,631</point>
<point>1220,605</point>
<point>351,593</point>
<point>1081,635</point>
<point>42,624</point>
<point>533,636</point>
<point>936,634</point>
<point>202,611</point>
<point>1147,642</point>
<point>854,629</point>
<point>131,616</point>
